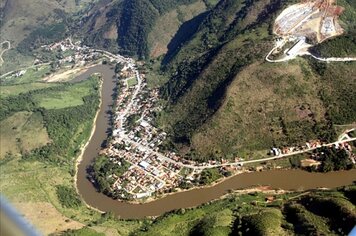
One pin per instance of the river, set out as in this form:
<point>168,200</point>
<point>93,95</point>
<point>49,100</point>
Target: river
<point>277,179</point>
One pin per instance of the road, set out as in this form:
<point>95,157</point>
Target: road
<point>334,59</point>
<point>303,52</point>
<point>4,50</point>
<point>195,167</point>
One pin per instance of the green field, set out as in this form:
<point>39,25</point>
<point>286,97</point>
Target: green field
<point>31,75</point>
<point>72,96</point>
<point>22,132</point>
<point>132,82</point>
<point>32,183</point>
<point>12,90</point>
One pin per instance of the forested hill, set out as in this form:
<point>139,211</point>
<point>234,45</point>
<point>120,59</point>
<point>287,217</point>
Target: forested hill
<point>126,25</point>
<point>225,100</point>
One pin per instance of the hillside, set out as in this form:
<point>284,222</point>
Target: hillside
<point>225,100</point>
<point>137,28</point>
<point>20,20</point>
<point>344,45</point>
<point>312,213</point>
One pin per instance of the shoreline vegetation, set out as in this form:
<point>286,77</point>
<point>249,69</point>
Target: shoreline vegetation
<point>79,159</point>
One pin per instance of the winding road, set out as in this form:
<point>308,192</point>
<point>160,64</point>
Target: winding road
<point>4,50</point>
<point>302,52</point>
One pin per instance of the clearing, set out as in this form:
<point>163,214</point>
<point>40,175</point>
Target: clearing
<point>12,90</point>
<point>70,97</point>
<point>22,132</point>
<point>65,75</point>
<point>31,187</point>
<point>27,76</point>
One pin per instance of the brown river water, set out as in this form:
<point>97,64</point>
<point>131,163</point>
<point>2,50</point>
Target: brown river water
<point>276,179</point>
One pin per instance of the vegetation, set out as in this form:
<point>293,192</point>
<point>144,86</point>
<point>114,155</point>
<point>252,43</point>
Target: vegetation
<point>68,197</point>
<point>131,82</point>
<point>333,159</point>
<point>22,132</point>
<point>17,89</point>
<point>103,171</point>
<point>137,21</point>
<point>208,176</point>
<point>250,214</point>
<point>219,81</point>
<point>344,45</point>
<point>65,111</point>
<point>37,173</point>
<point>31,75</point>
<point>82,232</point>
<point>42,35</point>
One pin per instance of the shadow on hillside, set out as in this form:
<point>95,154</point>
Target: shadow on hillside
<point>183,35</point>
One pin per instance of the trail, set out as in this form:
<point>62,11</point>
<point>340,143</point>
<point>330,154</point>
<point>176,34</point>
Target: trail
<point>4,50</point>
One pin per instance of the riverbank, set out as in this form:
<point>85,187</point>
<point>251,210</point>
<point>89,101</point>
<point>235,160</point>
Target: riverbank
<point>79,159</point>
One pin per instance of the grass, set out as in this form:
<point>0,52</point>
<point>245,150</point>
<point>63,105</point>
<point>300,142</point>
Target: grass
<point>13,60</point>
<point>182,224</point>
<point>31,75</point>
<point>168,24</point>
<point>132,82</point>
<point>32,182</point>
<point>22,132</point>
<point>12,90</point>
<point>155,79</point>
<point>83,232</point>
<point>260,99</point>
<point>305,217</point>
<point>70,97</point>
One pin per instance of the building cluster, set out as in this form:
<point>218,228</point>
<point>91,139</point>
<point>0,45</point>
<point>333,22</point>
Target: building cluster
<point>287,150</point>
<point>76,54</point>
<point>137,141</point>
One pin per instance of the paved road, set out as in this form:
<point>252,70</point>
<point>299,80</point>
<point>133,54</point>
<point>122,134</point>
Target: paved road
<point>302,53</point>
<point>195,167</point>
<point>334,59</point>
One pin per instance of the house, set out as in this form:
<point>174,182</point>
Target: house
<point>144,164</point>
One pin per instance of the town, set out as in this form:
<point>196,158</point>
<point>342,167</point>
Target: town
<point>135,142</point>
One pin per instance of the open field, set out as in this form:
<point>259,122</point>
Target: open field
<point>29,76</point>
<point>131,82</point>
<point>46,217</point>
<point>66,75</point>
<point>70,97</point>
<point>13,60</point>
<point>31,187</point>
<point>12,90</point>
<point>22,132</point>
